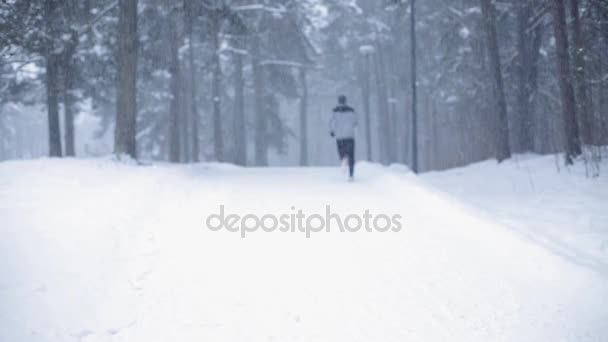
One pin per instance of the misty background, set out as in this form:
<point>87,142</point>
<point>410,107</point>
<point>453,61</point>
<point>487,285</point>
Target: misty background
<point>436,83</point>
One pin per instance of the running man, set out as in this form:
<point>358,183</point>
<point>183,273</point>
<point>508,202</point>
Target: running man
<point>342,126</point>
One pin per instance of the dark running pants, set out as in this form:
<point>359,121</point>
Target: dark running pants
<point>346,149</point>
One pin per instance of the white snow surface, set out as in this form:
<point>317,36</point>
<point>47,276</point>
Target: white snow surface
<point>557,207</point>
<point>97,250</point>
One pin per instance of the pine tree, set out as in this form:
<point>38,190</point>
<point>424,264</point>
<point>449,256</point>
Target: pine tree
<point>501,125</point>
<point>572,140</point>
<point>126,89</point>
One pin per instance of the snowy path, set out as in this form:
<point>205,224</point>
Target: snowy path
<point>99,251</point>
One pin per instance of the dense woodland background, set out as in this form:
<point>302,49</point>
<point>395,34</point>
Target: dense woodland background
<point>436,83</point>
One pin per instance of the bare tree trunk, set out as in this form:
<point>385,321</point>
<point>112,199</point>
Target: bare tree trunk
<point>398,138</point>
<point>3,141</point>
<point>523,123</point>
<point>4,136</point>
<point>126,89</point>
<point>503,150</point>
<point>603,87</point>
<point>583,99</point>
<point>52,78</point>
<point>415,167</point>
<point>383,110</point>
<point>240,144</point>
<point>68,109</point>
<point>194,130</point>
<point>573,147</point>
<point>218,139</point>
<point>365,92</point>
<point>174,111</point>
<point>184,117</point>
<point>87,16</point>
<point>434,141</point>
<point>534,59</point>
<point>261,142</point>
<point>68,69</point>
<point>395,140</point>
<point>303,118</point>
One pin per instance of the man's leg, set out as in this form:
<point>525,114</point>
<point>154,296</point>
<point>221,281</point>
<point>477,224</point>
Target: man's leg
<point>341,149</point>
<point>351,157</point>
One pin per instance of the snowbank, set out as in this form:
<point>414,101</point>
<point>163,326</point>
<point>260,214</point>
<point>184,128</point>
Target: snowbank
<point>557,207</point>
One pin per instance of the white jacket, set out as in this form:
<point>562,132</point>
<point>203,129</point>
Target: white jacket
<point>343,123</point>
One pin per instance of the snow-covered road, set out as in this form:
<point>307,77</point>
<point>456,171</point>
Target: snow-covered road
<point>93,250</point>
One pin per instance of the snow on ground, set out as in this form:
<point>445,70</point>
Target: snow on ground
<point>557,207</point>
<point>95,250</point>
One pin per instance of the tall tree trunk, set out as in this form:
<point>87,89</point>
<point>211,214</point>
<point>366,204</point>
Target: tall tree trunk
<point>218,139</point>
<point>383,110</point>
<point>603,86</point>
<point>68,69</point>
<point>195,119</point>
<point>501,124</point>
<point>393,56</point>
<point>573,147</point>
<point>434,141</point>
<point>126,89</point>
<point>261,139</point>
<point>185,123</point>
<point>390,132</point>
<point>240,144</point>
<point>68,107</point>
<point>52,78</point>
<point>87,16</point>
<point>583,99</point>
<point>523,123</point>
<point>415,167</point>
<point>534,59</point>
<point>175,106</point>
<point>3,139</point>
<point>303,118</point>
<point>52,91</point>
<point>365,92</point>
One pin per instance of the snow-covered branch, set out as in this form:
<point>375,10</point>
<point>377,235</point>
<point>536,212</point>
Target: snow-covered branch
<point>234,50</point>
<point>97,18</point>
<point>601,80</point>
<point>260,7</point>
<point>286,63</point>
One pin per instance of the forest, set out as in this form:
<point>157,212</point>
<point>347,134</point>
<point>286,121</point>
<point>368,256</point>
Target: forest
<point>436,84</point>
<point>303,170</point>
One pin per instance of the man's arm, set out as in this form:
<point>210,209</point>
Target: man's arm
<point>332,124</point>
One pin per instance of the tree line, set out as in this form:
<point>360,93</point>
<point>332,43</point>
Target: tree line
<point>438,84</point>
